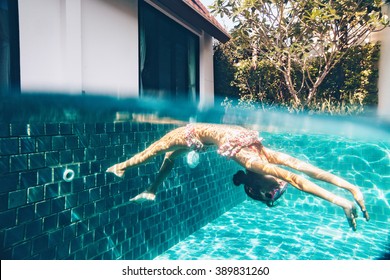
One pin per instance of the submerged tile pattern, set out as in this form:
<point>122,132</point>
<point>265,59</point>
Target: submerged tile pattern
<point>44,217</point>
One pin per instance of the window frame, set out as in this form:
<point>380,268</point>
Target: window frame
<point>14,47</point>
<point>192,36</point>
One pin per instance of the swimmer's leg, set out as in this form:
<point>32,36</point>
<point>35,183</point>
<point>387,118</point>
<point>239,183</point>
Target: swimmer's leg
<point>319,174</point>
<point>165,169</point>
<point>173,140</point>
<point>247,160</point>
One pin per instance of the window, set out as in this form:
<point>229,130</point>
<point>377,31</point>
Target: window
<point>169,57</point>
<point>9,47</point>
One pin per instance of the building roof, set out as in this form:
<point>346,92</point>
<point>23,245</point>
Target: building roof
<point>194,12</point>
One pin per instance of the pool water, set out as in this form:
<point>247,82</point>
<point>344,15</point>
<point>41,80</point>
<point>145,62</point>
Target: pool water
<point>253,231</point>
<point>302,226</point>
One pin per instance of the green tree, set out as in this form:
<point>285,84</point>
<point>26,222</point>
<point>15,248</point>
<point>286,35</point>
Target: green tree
<point>303,39</point>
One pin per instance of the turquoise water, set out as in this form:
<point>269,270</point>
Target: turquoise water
<point>302,226</point>
<point>44,217</point>
<point>251,231</point>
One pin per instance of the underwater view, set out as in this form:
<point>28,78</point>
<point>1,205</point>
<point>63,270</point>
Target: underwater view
<point>58,201</point>
<point>303,227</point>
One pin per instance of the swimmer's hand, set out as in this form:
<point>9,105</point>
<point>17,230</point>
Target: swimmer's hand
<point>351,214</point>
<point>358,196</point>
<point>360,201</point>
<point>144,196</point>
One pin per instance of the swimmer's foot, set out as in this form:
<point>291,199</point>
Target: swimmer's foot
<point>144,196</point>
<point>116,170</point>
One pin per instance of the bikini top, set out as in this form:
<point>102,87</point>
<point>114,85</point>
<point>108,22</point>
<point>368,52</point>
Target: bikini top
<point>233,143</point>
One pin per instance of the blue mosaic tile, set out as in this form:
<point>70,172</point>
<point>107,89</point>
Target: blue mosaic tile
<point>69,231</point>
<point>76,244</point>
<point>58,204</point>
<point>66,157</point>
<point>89,210</point>
<point>18,129</point>
<point>36,129</point>
<point>81,229</point>
<point>100,153</point>
<point>44,143</point>
<point>52,128</point>
<point>14,235</point>
<point>78,155</point>
<point>77,213</point>
<point>64,218</point>
<point>3,202</point>
<point>58,143</point>
<point>55,237</point>
<point>90,128</point>
<point>83,141</point>
<point>33,229</point>
<point>4,164</point>
<point>43,209</point>
<point>50,222</point>
<point>25,213</point>
<point>45,176</point>
<point>17,198</point>
<point>83,197</point>
<point>21,250</point>
<point>28,179</point>
<point>8,182</point>
<point>52,159</point>
<point>78,128</point>
<point>7,219</point>
<point>9,146</point>
<point>37,161</point>
<point>18,163</point>
<point>51,190</point>
<point>90,154</point>
<point>62,250</point>
<point>27,145</point>
<point>65,128</point>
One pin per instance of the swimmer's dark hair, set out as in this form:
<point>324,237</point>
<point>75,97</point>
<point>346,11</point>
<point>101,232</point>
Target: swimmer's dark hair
<point>241,178</point>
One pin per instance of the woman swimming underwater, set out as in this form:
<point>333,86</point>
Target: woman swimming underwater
<point>264,179</point>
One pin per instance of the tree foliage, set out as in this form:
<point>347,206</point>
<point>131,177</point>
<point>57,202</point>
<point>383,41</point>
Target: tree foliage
<point>350,86</point>
<point>301,41</point>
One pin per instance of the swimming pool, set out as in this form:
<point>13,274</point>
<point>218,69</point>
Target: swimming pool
<point>304,227</point>
<point>198,213</point>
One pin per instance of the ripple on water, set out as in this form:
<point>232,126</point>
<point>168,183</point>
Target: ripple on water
<point>273,235</point>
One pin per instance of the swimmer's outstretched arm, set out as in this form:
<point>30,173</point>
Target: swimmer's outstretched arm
<point>246,159</point>
<point>319,174</point>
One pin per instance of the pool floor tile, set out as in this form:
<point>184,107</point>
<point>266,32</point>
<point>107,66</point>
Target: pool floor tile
<point>240,234</point>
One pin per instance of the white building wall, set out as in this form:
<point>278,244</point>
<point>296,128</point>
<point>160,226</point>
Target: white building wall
<point>41,45</point>
<point>90,46</point>
<point>79,45</point>
<point>206,75</point>
<point>110,46</point>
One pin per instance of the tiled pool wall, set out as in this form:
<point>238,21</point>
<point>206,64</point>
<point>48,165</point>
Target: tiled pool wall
<point>44,217</point>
